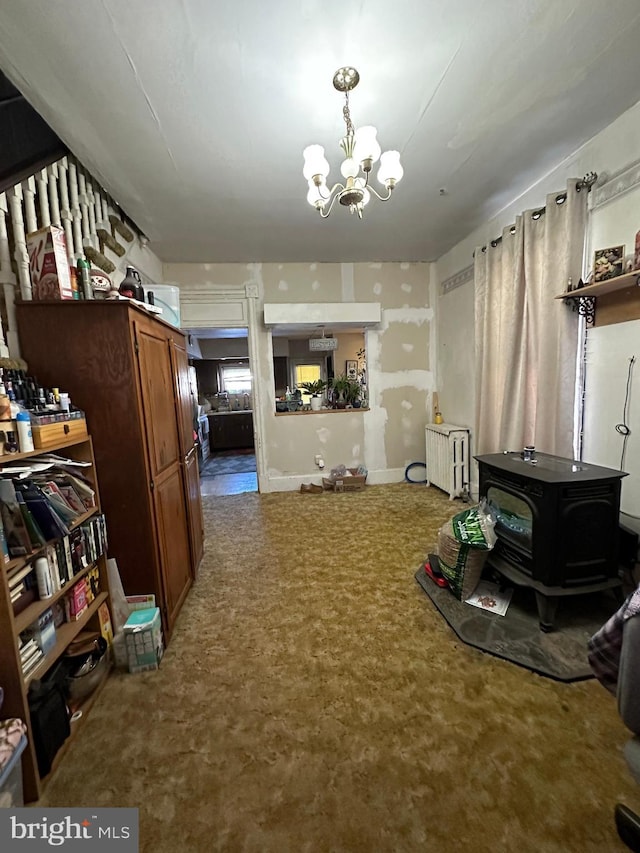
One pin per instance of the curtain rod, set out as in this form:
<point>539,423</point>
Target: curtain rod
<point>584,184</point>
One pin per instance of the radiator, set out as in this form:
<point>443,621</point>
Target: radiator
<point>448,458</point>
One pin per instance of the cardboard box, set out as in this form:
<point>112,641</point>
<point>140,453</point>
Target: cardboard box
<point>352,482</point>
<point>49,264</point>
<point>143,639</point>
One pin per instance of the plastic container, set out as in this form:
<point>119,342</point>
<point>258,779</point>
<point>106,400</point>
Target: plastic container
<point>167,297</point>
<point>11,794</point>
<point>25,436</point>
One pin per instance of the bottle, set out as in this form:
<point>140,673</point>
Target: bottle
<point>10,442</point>
<point>25,436</point>
<point>84,278</point>
<point>73,275</point>
<point>65,402</point>
<point>43,577</point>
<point>287,395</point>
<point>131,285</point>
<point>438,418</point>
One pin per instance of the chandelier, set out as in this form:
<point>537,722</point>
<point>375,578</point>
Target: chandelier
<point>361,150</point>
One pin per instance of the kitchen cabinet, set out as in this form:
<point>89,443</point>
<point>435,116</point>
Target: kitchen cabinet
<point>231,430</point>
<point>128,370</point>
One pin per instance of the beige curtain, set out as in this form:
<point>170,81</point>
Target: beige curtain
<point>527,341</point>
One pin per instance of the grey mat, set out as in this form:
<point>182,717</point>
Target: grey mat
<point>516,636</point>
<point>241,463</point>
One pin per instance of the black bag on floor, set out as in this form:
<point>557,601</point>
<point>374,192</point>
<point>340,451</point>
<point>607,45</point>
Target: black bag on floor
<point>49,717</point>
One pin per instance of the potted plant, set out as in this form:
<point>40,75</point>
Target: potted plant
<point>314,389</point>
<point>353,394</point>
<point>341,386</point>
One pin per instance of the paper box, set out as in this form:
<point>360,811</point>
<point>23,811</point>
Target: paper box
<point>49,264</point>
<point>143,639</point>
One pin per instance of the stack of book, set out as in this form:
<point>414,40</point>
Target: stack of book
<point>30,655</point>
<point>22,587</point>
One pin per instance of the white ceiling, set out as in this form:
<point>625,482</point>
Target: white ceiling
<point>194,113</point>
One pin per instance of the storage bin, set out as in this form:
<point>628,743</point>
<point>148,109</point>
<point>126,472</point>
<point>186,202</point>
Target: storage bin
<point>49,435</point>
<point>11,796</point>
<point>167,297</point>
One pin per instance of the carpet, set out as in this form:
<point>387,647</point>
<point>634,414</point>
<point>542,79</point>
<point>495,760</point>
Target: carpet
<point>516,636</point>
<point>237,462</point>
<point>311,699</point>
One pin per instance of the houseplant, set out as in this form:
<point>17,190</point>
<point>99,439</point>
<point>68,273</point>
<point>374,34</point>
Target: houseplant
<point>341,387</point>
<point>314,389</point>
<point>353,394</point>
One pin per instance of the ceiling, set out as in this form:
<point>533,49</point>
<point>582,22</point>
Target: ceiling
<point>194,114</point>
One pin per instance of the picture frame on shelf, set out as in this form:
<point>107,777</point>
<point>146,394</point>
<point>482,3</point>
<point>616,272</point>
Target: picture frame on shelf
<point>351,369</point>
<point>608,263</point>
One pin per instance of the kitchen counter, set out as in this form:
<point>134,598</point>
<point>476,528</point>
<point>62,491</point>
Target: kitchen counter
<point>231,412</point>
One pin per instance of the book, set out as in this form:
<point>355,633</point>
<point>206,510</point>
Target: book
<point>4,548</point>
<point>35,534</point>
<point>18,541</point>
<point>489,596</point>
<point>46,517</point>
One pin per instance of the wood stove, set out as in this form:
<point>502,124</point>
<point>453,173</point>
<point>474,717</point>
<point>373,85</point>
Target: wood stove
<point>557,525</point>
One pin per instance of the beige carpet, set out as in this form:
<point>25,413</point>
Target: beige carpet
<point>313,699</point>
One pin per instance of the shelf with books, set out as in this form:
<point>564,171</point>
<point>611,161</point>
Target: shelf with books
<point>58,533</point>
<point>29,615</point>
<point>64,635</point>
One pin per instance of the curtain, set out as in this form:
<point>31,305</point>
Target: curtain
<point>527,341</point>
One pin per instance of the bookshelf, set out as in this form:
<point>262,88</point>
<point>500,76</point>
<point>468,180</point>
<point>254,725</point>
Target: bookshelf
<point>15,683</point>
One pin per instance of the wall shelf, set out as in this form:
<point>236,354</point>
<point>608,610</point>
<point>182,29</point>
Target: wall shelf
<point>620,282</point>
<point>584,298</point>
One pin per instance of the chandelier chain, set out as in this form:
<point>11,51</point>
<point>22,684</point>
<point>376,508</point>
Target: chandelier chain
<point>347,115</point>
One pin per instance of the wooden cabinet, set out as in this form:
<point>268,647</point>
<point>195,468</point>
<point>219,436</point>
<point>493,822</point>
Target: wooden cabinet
<point>231,431</point>
<point>12,624</point>
<point>128,370</point>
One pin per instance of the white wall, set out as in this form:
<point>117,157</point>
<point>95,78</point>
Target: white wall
<point>609,349</point>
<point>608,153</point>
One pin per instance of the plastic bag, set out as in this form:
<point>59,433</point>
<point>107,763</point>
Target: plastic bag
<point>464,543</point>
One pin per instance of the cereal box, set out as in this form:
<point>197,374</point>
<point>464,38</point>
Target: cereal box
<point>49,264</point>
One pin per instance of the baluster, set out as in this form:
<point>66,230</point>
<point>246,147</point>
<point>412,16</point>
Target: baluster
<point>8,282</point>
<point>21,255</point>
<point>76,213</point>
<point>92,240</point>
<point>54,201</point>
<point>84,208</point>
<point>43,198</point>
<point>29,200</point>
<point>65,213</point>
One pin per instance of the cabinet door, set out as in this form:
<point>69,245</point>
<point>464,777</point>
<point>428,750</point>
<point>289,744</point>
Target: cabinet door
<point>196,524</point>
<point>184,398</point>
<point>158,404</point>
<point>173,540</point>
<point>215,432</point>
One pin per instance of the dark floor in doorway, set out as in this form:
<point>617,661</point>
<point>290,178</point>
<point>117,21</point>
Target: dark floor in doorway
<point>236,462</point>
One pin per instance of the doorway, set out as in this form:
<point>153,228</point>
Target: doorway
<point>225,389</point>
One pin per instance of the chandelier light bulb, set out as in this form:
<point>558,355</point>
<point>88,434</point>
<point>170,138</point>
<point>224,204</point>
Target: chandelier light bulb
<point>315,163</point>
<point>314,197</point>
<point>366,144</point>
<point>349,168</point>
<point>390,170</point>
<point>362,185</point>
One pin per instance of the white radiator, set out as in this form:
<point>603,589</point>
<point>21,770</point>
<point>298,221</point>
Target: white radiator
<point>448,458</point>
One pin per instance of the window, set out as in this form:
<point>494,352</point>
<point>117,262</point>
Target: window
<point>235,378</point>
<point>307,371</point>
